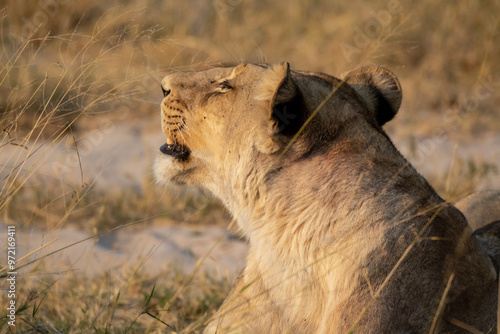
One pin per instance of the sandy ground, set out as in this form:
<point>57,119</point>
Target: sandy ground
<point>120,154</point>
<point>153,250</point>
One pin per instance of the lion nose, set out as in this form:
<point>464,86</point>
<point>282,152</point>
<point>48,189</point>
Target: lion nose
<point>177,81</point>
<point>165,91</point>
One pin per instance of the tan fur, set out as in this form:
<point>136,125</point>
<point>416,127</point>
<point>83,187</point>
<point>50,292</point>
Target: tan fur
<point>344,234</point>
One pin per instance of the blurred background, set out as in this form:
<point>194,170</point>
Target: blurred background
<point>79,115</point>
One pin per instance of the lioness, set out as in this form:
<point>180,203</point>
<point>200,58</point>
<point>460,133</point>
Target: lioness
<point>344,234</point>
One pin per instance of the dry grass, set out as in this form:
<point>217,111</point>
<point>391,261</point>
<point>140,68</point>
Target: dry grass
<point>67,65</point>
<point>110,303</point>
<point>96,210</point>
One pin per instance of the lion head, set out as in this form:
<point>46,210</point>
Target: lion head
<point>225,126</point>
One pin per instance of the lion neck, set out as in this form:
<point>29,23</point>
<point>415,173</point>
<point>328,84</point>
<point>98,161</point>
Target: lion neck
<point>324,194</point>
<point>319,192</point>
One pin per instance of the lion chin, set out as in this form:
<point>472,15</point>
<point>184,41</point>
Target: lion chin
<point>344,234</point>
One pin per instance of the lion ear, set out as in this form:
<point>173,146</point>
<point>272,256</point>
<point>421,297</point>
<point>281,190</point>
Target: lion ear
<point>283,98</point>
<point>378,88</point>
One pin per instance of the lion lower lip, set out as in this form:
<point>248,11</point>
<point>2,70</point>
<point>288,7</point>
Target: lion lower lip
<point>174,150</point>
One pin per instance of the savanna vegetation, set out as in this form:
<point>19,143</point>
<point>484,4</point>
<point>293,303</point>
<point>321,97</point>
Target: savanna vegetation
<point>66,67</point>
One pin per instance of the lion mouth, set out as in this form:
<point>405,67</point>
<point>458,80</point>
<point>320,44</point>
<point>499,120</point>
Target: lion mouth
<point>175,150</point>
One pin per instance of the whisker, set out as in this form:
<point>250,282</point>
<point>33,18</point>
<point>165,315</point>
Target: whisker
<point>187,133</point>
<point>185,142</point>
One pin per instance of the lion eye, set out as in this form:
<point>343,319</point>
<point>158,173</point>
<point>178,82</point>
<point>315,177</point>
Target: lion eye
<point>224,86</point>
<point>221,87</point>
